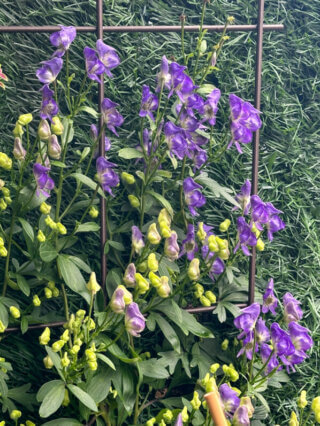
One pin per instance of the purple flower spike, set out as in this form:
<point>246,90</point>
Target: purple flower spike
<point>281,342</point>
<point>189,245</point>
<point>108,56</point>
<point>192,195</point>
<point>292,310</point>
<point>266,213</point>
<point>243,197</point>
<point>229,398</point>
<point>246,321</point>
<point>94,66</point>
<point>49,107</point>
<point>44,182</point>
<point>111,116</point>
<point>106,176</point>
<point>300,336</point>
<point>211,107</point>
<point>262,331</point>
<point>270,302</point>
<point>246,236</point>
<point>62,40</point>
<point>149,102</point>
<point>176,140</point>
<point>182,84</point>
<point>244,120</point>
<point>49,71</point>
<point>265,352</point>
<point>134,320</point>
<point>241,417</point>
<point>248,346</point>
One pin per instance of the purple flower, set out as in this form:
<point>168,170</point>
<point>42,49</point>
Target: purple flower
<point>120,298</point>
<point>171,247</point>
<point>94,135</point>
<point>246,236</point>
<point>266,213</point>
<point>229,398</point>
<point>189,244</point>
<point>130,275</point>
<point>19,152</point>
<point>94,66</point>
<point>54,149</point>
<point>244,120</point>
<point>149,102</point>
<point>111,117</point>
<point>49,71</point>
<point>300,336</point>
<point>49,107</point>
<point>187,121</point>
<point>164,77</point>
<point>270,302</point>
<point>217,267</point>
<point>179,420</point>
<point>246,321</point>
<point>106,176</point>
<point>192,195</point>
<point>137,239</point>
<point>248,345</point>
<point>62,40</point>
<point>108,56</point>
<point>265,352</point>
<point>241,417</point>
<point>211,107</point>
<point>243,197</point>
<point>134,320</point>
<point>281,342</point>
<point>182,84</point>
<point>44,182</point>
<point>176,140</point>
<point>195,102</point>
<point>199,157</point>
<point>262,331</point>
<point>292,310</point>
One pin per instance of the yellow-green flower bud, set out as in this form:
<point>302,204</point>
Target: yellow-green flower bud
<point>231,19</point>
<point>55,292</point>
<point>164,218</point>
<point>224,254</point>
<point>44,130</point>
<point>6,191</point>
<point>245,400</point>
<point>25,119</point>
<point>51,285</point>
<point>65,336</point>
<point>134,201</point>
<point>224,226</point>
<point>3,423</point>
<point>65,361</point>
<point>45,336</point>
<point>15,312</point>
<point>211,385</point>
<point>143,266</point>
<point>8,200</point>
<point>41,237</point>
<point>167,416</point>
<point>56,126</point>
<point>154,279</point>
<point>317,416</point>
<point>225,344</point>
<point>2,327</point>
<point>204,404</point>
<point>165,230</point>
<point>302,400</point>
<point>93,365</point>
<point>184,414</point>
<point>3,204</point>
<point>211,296</point>
<point>315,406</point>
<point>93,212</point>
<point>36,301</point>
<point>162,423</point>
<point>255,230</point>
<point>2,184</point>
<point>164,289</point>
<point>260,245</point>
<point>223,244</point>
<point>47,361</point>
<point>30,423</point>
<point>213,244</point>
<point>15,414</point>
<point>81,313</point>
<point>61,228</point>
<point>199,290</point>
<point>204,301</point>
<point>153,264</point>
<point>3,252</point>
<point>142,283</point>
<point>58,345</point>
<point>1,242</point>
<point>93,285</point>
<point>128,178</point>
<point>50,222</point>
<point>18,130</point>
<point>66,399</point>
<point>45,208</point>
<point>201,234</point>
<point>75,349</point>
<point>194,269</point>
<point>214,368</point>
<point>47,293</point>
<point>151,422</point>
<point>5,161</point>
<point>153,235</point>
<point>195,402</point>
<point>205,380</point>
<point>293,419</point>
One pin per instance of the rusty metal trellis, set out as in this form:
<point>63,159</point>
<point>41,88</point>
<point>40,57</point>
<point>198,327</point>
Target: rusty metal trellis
<point>260,27</point>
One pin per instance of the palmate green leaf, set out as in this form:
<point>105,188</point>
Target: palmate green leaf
<point>21,395</point>
<point>130,153</point>
<point>106,360</point>
<point>52,400</point>
<point>88,227</point>
<point>47,251</point>
<point>83,397</point>
<point>168,331</point>
<point>194,326</point>
<point>163,201</point>
<point>72,276</point>
<point>154,368</point>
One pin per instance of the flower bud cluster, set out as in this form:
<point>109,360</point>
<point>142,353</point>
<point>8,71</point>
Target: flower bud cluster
<point>3,250</point>
<point>49,291</point>
<point>206,298</point>
<point>55,226</point>
<point>6,200</point>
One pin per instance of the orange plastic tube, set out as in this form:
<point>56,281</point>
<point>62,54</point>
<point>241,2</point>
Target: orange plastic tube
<point>216,411</point>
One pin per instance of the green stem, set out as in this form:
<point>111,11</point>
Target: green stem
<point>65,301</point>
<point>199,39</point>
<point>91,305</point>
<point>183,20</point>
<point>6,270</point>
<point>181,194</point>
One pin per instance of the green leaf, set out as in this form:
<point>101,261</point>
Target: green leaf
<point>217,189</point>
<point>116,245</point>
<point>88,182</point>
<point>98,386</point>
<point>63,422</point>
<point>168,332</point>
<point>56,361</point>
<point>52,401</point>
<point>194,326</point>
<point>83,397</point>
<point>221,312</point>
<point>46,387</point>
<point>130,153</point>
<point>81,264</point>
<point>90,111</point>
<point>163,201</point>
<point>106,360</point>
<point>27,228</point>
<point>47,251</point>
<point>114,278</point>
<point>115,350</point>
<point>88,227</point>
<point>141,175</point>
<point>68,129</point>
<point>24,325</point>
<point>205,89</point>
<point>4,316</point>
<point>173,312</point>
<point>58,164</point>
<point>72,276</point>
<point>154,368</point>
<point>23,284</point>
<point>235,310</point>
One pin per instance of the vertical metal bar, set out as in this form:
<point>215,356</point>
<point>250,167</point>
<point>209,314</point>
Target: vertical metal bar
<point>256,138</point>
<point>103,230</point>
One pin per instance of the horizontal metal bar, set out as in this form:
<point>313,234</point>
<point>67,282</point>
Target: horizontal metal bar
<point>204,309</point>
<point>137,29</point>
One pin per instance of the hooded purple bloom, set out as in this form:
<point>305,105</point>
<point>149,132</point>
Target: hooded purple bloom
<point>94,135</point>
<point>243,197</point>
<point>246,321</point>
<point>164,76</point>
<point>108,56</point>
<point>229,398</point>
<point>49,70</point>
<point>179,420</point>
<point>49,107</point>
<point>130,275</point>
<point>94,66</point>
<point>270,302</point>
<point>262,331</point>
<point>211,107</point>
<point>149,102</point>
<point>265,352</point>
<point>134,320</point>
<point>199,157</point>
<point>107,177</point>
<point>137,239</point>
<point>217,267</point>
<point>300,336</point>
<point>44,182</point>
<point>189,244</point>
<point>244,120</point>
<point>111,116</point>
<point>248,346</point>
<point>241,417</point>
<point>266,213</point>
<point>182,84</point>
<point>292,310</point>
<point>187,121</point>
<point>62,40</point>
<point>195,102</point>
<point>246,236</point>
<point>176,140</point>
<point>171,247</point>
<point>281,342</point>
<point>117,303</point>
<point>192,195</point>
